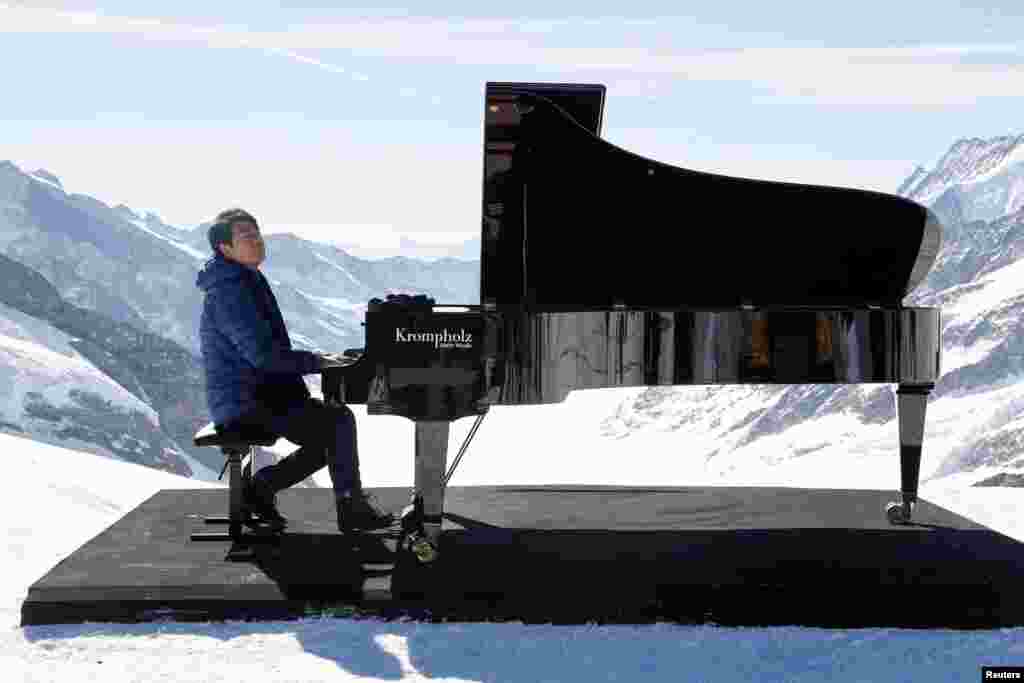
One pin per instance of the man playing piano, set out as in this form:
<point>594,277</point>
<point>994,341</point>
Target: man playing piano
<point>253,376</point>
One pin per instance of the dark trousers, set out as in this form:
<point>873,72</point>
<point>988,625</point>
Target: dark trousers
<point>325,434</point>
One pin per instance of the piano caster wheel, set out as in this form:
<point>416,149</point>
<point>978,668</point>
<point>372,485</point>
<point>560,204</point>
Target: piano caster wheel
<point>899,513</point>
<point>425,551</point>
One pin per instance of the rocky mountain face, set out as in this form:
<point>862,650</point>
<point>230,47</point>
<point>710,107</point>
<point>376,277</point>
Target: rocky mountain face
<point>983,178</point>
<point>119,291</point>
<point>153,380</point>
<point>977,189</point>
<point>142,271</point>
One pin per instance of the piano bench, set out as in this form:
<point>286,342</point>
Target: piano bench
<point>239,448</point>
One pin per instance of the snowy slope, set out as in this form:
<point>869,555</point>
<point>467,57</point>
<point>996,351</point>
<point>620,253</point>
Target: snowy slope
<point>73,496</point>
<point>191,251</point>
<point>37,357</point>
<point>987,172</point>
<point>43,377</point>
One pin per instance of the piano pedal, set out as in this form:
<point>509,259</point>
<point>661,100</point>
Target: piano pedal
<point>422,547</point>
<point>416,539</point>
<point>899,513</point>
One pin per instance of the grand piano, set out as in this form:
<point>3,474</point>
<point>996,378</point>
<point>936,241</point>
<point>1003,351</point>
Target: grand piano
<point>601,268</point>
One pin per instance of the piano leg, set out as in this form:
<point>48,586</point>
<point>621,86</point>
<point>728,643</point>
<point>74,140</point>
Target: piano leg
<point>912,400</point>
<point>431,462</point>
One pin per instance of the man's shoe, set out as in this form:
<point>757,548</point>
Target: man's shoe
<point>360,512</point>
<point>258,499</point>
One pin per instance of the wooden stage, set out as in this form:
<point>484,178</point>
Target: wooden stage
<point>557,554</point>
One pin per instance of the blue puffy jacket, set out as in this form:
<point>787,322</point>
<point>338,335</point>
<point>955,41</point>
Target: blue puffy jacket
<point>247,354</point>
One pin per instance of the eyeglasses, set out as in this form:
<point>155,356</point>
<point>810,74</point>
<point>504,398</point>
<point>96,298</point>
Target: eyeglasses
<point>249,236</point>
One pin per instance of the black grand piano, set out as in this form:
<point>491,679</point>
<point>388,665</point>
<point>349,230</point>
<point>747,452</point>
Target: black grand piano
<point>601,268</point>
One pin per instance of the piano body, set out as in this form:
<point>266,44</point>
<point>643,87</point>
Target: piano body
<point>601,268</point>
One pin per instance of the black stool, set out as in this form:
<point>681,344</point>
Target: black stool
<point>234,442</point>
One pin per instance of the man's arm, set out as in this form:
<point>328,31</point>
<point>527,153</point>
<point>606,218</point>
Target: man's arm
<point>235,311</point>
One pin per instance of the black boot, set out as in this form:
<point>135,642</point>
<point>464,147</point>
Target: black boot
<point>360,512</point>
<point>258,499</point>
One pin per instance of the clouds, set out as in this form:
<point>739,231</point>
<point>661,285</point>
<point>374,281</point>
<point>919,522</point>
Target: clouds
<point>307,145</point>
<point>615,51</point>
<point>37,20</point>
<point>304,60</point>
<point>911,76</point>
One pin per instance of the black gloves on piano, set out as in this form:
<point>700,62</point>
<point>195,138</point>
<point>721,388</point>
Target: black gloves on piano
<point>403,301</point>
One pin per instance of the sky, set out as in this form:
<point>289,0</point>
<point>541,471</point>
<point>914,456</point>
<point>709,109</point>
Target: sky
<point>363,126</point>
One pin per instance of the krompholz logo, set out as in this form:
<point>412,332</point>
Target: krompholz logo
<point>441,340</point>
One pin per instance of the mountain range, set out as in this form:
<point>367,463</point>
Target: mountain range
<point>109,297</point>
<point>99,322</point>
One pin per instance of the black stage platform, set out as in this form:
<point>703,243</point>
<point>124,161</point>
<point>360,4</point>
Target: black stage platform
<point>558,554</point>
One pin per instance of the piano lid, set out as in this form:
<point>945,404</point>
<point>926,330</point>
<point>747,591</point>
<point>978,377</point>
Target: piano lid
<point>583,103</point>
<point>573,222</point>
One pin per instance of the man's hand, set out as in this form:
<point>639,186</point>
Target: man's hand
<point>334,360</point>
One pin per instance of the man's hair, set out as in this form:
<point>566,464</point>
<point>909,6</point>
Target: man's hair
<point>220,231</point>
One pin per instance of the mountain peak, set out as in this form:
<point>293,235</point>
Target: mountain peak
<point>912,180</point>
<point>43,174</point>
<point>968,160</point>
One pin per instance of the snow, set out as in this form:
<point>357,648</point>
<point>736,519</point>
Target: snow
<point>39,177</point>
<point>998,287</point>
<point>73,496</point>
<point>1000,168</point>
<point>1015,199</point>
<point>343,270</point>
<point>333,329</point>
<point>136,222</point>
<point>344,305</point>
<point>301,341</point>
<point>956,357</point>
<point>343,309</point>
<point>191,251</point>
<point>35,356</point>
<point>1015,156</point>
<point>993,291</point>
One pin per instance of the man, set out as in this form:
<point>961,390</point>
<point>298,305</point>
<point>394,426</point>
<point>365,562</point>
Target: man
<point>254,377</point>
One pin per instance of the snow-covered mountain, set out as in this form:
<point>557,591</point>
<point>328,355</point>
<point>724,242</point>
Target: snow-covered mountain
<point>139,270</point>
<point>143,337</point>
<point>54,394</point>
<point>984,177</point>
<point>120,288</point>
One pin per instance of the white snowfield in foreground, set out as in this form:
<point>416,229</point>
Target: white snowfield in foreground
<point>56,500</point>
